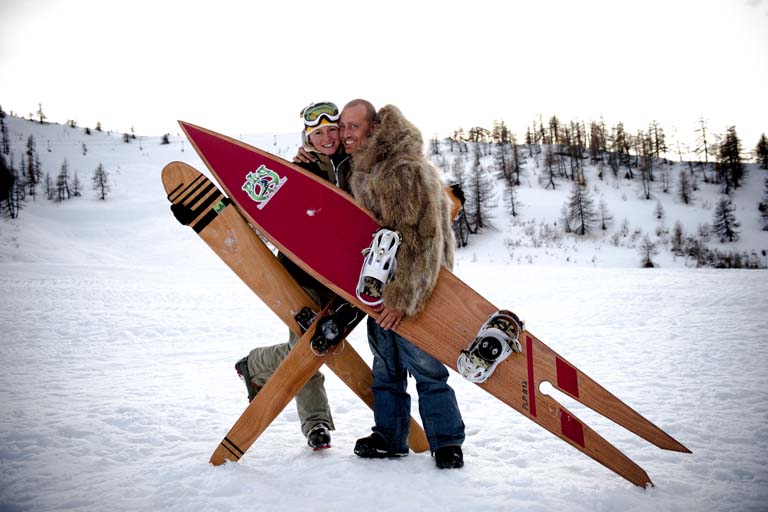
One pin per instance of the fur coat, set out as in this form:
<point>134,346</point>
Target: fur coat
<point>392,178</point>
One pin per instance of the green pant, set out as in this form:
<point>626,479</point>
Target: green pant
<point>311,400</point>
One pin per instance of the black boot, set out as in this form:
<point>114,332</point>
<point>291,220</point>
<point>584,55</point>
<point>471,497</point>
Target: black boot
<point>375,447</point>
<point>241,367</point>
<point>449,457</point>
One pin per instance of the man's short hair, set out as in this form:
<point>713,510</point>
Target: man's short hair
<point>370,111</point>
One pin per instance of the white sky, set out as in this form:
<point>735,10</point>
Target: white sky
<point>249,67</point>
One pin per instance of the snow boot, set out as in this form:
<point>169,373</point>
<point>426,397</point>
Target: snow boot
<point>319,437</point>
<point>241,367</point>
<point>449,457</point>
<point>375,447</point>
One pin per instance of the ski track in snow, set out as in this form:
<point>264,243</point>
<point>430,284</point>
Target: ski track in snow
<point>120,330</point>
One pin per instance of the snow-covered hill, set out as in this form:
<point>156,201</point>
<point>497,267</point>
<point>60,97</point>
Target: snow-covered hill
<point>120,330</point>
<point>534,236</point>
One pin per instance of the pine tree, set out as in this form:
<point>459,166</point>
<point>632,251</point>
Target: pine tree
<point>503,161</point>
<point>48,186</point>
<point>685,187</point>
<point>763,207</point>
<point>646,165</point>
<point>580,210</point>
<point>724,223</point>
<point>62,183</point>
<point>479,193</point>
<point>678,238</point>
<point>5,142</point>
<point>761,152</point>
<point>620,145</point>
<point>547,177</point>
<point>510,193</point>
<point>648,250</point>
<point>6,184</point>
<point>518,159</point>
<point>597,141</point>
<point>100,181</point>
<point>76,186</point>
<point>730,168</point>
<point>605,216</point>
<point>656,133</point>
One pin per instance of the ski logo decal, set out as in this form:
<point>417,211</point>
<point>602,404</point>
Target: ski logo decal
<point>262,184</point>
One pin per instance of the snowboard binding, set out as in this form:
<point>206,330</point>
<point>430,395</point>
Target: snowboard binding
<point>495,341</point>
<point>332,329</point>
<point>379,266</point>
<point>304,318</point>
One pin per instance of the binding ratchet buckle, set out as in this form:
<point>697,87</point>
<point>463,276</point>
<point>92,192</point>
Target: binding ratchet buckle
<point>378,267</point>
<point>495,341</point>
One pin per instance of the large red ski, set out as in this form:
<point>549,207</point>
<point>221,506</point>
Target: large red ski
<point>302,216</point>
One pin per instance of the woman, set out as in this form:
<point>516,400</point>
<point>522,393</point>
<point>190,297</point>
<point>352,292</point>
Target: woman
<point>321,139</point>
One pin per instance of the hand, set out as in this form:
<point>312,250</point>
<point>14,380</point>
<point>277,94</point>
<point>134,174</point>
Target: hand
<point>389,319</point>
<point>304,157</point>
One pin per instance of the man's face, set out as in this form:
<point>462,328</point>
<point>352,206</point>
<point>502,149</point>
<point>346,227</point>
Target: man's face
<point>355,128</point>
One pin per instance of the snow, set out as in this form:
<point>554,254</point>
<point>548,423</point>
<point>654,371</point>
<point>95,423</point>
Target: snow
<point>120,330</point>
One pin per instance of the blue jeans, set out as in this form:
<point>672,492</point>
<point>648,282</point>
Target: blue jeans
<point>393,358</point>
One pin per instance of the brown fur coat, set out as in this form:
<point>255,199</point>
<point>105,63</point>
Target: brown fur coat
<point>392,178</point>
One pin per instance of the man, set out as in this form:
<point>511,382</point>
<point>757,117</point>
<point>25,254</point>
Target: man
<point>392,179</point>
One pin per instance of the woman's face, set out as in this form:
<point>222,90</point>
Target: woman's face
<point>325,140</point>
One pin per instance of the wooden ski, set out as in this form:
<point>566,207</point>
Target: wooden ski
<point>226,232</point>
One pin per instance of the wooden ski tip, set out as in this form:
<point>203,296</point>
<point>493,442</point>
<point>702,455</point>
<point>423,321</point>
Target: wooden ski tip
<point>224,452</point>
<point>670,443</point>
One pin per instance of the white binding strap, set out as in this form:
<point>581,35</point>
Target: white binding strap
<point>379,264</point>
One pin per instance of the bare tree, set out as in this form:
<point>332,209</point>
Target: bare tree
<point>40,114</point>
<point>702,143</point>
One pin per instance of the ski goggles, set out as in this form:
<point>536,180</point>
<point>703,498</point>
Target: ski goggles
<point>314,113</point>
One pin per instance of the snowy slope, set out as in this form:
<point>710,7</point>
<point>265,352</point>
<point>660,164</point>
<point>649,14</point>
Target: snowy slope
<point>120,329</point>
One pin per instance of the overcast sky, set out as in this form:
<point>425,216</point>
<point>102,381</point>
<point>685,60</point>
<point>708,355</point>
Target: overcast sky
<point>250,66</point>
